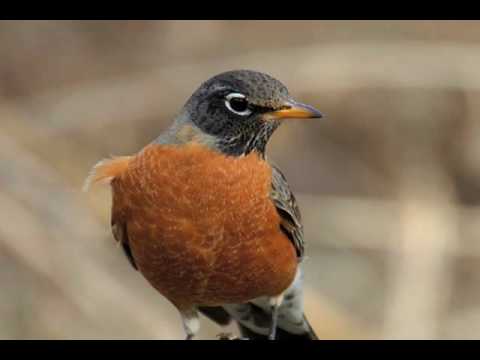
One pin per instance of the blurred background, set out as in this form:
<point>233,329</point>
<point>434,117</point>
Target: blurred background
<point>388,182</point>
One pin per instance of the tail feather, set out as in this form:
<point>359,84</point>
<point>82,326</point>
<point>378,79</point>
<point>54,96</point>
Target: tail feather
<point>281,333</point>
<point>106,170</point>
<point>220,316</point>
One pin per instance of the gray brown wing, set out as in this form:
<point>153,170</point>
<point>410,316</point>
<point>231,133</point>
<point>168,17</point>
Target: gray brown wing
<point>119,228</point>
<point>288,209</point>
<point>119,231</point>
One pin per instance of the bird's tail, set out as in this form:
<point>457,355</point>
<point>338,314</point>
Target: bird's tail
<point>223,318</point>
<point>281,333</point>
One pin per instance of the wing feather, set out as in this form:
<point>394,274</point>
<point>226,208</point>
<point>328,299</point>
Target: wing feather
<point>288,209</point>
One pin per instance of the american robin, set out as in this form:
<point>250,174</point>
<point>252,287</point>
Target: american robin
<point>208,221</point>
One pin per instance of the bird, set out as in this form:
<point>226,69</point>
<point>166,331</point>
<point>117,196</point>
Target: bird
<point>205,216</point>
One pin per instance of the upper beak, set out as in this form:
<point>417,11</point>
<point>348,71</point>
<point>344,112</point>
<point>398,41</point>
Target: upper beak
<point>296,110</point>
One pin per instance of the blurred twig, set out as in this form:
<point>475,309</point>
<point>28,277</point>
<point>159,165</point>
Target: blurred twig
<point>39,240</point>
<point>329,66</point>
<point>372,222</point>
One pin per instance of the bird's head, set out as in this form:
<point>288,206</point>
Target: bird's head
<point>241,109</point>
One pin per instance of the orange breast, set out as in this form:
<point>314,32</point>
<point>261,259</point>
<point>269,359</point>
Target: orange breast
<point>201,225</point>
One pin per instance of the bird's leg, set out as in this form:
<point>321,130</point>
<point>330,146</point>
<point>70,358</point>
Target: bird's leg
<point>275,303</point>
<point>191,323</point>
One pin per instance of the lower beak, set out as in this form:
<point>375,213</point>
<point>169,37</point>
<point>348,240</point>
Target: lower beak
<point>296,110</point>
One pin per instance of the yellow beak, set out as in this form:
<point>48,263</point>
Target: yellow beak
<point>295,110</point>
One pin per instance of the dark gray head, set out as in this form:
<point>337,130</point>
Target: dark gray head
<point>241,109</point>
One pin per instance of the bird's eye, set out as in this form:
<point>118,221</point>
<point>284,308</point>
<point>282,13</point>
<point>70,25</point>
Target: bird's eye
<point>238,104</point>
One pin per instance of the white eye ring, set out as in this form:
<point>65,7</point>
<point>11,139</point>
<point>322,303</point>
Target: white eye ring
<point>231,96</point>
